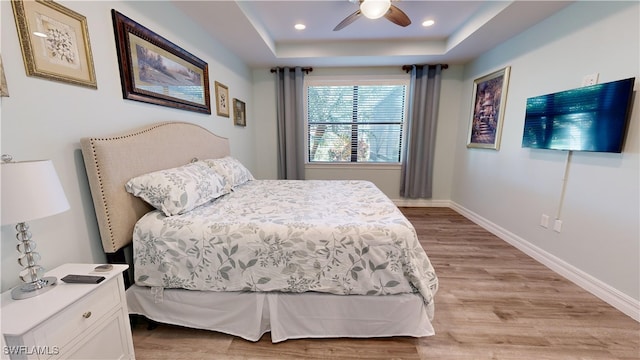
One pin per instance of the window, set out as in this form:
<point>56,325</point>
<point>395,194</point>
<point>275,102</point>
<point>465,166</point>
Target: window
<point>351,121</point>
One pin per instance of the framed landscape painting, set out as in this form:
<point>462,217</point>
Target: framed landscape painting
<point>157,71</point>
<point>487,110</point>
<point>55,42</point>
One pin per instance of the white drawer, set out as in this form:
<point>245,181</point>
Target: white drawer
<point>106,341</point>
<point>78,317</point>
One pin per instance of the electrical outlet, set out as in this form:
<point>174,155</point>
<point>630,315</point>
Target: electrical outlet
<point>557,225</point>
<point>590,79</point>
<point>544,221</point>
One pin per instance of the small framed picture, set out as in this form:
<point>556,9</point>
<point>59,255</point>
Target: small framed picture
<point>239,113</point>
<point>487,110</point>
<point>222,99</point>
<point>54,42</point>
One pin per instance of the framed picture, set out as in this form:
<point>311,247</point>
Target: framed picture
<point>487,110</point>
<point>4,89</point>
<point>54,42</point>
<point>239,113</point>
<point>157,71</point>
<point>222,99</point>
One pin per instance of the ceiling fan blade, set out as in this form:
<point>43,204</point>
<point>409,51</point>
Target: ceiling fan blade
<point>348,20</point>
<point>397,16</point>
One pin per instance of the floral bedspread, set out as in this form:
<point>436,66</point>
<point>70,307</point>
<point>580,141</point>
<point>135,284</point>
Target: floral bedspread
<point>340,237</point>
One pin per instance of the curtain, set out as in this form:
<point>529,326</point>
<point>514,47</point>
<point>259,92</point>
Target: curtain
<point>290,122</point>
<point>417,162</point>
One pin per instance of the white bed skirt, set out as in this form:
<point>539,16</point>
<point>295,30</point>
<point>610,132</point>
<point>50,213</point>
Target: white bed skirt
<point>287,316</point>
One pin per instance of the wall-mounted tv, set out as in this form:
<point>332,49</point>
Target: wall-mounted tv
<point>590,118</point>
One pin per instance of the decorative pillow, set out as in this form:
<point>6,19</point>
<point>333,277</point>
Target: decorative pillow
<point>232,170</point>
<point>178,190</point>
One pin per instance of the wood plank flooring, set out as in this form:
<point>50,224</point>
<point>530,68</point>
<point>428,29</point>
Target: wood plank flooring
<point>494,302</point>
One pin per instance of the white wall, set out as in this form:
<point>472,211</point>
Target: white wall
<point>46,119</point>
<point>264,97</point>
<point>511,188</point>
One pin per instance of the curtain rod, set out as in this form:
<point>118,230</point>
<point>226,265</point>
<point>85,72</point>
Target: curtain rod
<point>407,68</point>
<point>305,69</point>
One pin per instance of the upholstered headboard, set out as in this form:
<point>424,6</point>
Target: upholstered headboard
<point>111,161</point>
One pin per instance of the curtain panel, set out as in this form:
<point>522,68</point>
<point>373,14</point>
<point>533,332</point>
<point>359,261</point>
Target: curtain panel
<point>417,162</point>
<point>290,122</point>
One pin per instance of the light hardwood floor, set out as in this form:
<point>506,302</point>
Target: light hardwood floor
<point>494,302</point>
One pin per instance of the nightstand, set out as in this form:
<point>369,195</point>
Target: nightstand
<point>71,321</point>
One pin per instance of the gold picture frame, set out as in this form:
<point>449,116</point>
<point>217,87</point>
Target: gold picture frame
<point>4,89</point>
<point>55,42</point>
<point>487,110</point>
<point>222,99</point>
<point>239,113</point>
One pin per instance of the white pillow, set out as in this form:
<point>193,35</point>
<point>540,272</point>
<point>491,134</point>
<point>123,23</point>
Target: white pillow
<point>235,173</point>
<point>178,190</point>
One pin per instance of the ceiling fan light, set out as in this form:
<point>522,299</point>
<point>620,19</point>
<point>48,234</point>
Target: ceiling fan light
<point>374,9</point>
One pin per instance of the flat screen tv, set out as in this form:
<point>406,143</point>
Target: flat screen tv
<point>590,118</point>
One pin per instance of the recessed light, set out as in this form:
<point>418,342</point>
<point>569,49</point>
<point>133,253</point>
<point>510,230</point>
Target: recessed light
<point>427,23</point>
<point>300,26</point>
<point>39,34</point>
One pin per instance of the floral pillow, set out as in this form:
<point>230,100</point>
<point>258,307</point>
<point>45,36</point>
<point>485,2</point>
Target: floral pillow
<point>230,168</point>
<point>179,190</point>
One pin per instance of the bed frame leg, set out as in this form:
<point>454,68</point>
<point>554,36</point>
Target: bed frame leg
<point>134,319</point>
<point>151,324</point>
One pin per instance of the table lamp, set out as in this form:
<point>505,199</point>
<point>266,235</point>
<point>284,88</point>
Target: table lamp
<point>30,190</point>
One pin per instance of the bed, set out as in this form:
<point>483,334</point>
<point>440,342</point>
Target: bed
<point>299,259</point>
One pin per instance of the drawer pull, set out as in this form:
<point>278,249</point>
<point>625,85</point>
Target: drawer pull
<point>87,315</point>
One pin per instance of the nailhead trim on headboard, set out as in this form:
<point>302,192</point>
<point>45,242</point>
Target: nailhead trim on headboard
<point>111,161</point>
<point>102,194</point>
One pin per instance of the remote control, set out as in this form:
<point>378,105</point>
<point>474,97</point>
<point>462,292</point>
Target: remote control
<point>82,279</point>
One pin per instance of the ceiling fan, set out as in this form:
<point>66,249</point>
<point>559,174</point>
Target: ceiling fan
<point>374,9</point>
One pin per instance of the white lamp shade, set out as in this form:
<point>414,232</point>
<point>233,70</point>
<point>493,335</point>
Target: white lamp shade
<point>374,9</point>
<point>30,190</point>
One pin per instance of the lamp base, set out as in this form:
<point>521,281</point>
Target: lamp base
<point>35,288</point>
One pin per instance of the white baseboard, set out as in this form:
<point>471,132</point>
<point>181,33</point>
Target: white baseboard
<point>421,203</point>
<point>610,295</point>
